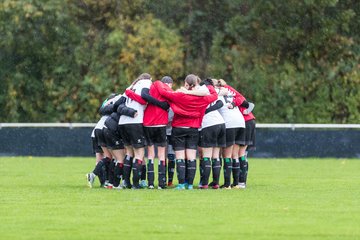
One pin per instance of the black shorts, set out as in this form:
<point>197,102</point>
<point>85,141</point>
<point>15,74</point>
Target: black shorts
<point>99,135</point>
<point>184,138</point>
<point>235,136</point>
<point>250,134</point>
<point>95,146</point>
<point>113,139</point>
<point>213,136</point>
<point>132,135</point>
<point>155,135</point>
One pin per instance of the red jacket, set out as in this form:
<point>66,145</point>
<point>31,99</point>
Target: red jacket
<point>155,115</point>
<point>189,110</point>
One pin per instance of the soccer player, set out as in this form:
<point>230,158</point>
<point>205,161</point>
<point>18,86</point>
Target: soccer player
<point>102,165</point>
<point>235,135</point>
<point>132,132</point>
<point>188,113</point>
<point>212,138</point>
<point>113,139</point>
<point>155,121</point>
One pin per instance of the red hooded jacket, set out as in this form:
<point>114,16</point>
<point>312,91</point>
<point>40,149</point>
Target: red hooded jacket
<point>189,110</point>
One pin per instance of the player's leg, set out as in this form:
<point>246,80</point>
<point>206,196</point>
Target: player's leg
<point>159,138</point>
<point>205,167</point>
<point>150,166</point>
<point>171,161</point>
<point>191,145</point>
<point>178,140</point>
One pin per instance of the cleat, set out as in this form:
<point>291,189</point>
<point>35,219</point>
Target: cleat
<point>215,186</point>
<point>212,184</point>
<point>125,185</point>
<point>190,187</point>
<point>161,187</point>
<point>90,178</point>
<point>235,187</point>
<point>225,187</point>
<point>170,184</point>
<point>242,185</point>
<point>143,184</point>
<point>118,187</point>
<point>151,187</point>
<point>180,186</point>
<point>204,187</point>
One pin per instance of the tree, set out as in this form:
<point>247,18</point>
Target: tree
<point>297,60</point>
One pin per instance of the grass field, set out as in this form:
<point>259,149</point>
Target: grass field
<point>47,198</point>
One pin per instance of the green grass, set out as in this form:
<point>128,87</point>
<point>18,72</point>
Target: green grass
<point>47,198</point>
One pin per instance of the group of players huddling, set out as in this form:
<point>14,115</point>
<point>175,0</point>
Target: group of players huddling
<point>207,118</point>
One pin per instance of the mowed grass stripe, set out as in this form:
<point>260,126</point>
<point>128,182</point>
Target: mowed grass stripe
<point>48,198</point>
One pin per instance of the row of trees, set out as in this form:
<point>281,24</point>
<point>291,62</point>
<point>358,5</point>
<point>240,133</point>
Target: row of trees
<point>297,60</point>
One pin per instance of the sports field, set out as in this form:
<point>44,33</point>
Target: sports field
<point>48,198</point>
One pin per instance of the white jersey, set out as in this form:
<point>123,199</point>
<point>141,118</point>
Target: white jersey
<point>169,127</point>
<point>101,123</point>
<point>212,118</point>
<point>232,117</point>
<point>203,88</point>
<point>137,88</point>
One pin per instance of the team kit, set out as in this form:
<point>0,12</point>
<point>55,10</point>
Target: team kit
<point>205,119</point>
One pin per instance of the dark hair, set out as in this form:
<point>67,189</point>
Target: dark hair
<point>167,79</point>
<point>192,80</point>
<point>207,82</point>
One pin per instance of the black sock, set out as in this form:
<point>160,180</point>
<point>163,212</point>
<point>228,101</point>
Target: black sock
<point>100,171</point>
<point>171,168</point>
<point>244,167</point>
<point>118,172</point>
<point>227,171</point>
<point>143,172</point>
<point>127,170</point>
<point>191,168</point>
<point>136,170</point>
<point>162,173</point>
<point>236,171</point>
<point>201,167</point>
<point>150,173</point>
<point>180,170</point>
<point>186,171</point>
<point>216,169</point>
<point>111,172</point>
<point>206,171</point>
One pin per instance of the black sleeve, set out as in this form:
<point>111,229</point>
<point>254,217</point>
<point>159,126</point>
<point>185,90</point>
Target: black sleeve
<point>119,101</point>
<point>245,104</point>
<point>214,107</point>
<point>145,95</point>
<point>106,110</point>
<point>123,110</point>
